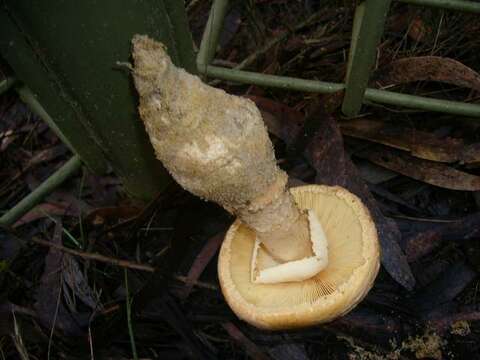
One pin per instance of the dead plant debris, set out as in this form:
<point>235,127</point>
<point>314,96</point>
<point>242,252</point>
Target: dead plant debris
<point>65,266</point>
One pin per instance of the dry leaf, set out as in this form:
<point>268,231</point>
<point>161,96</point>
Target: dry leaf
<point>420,144</point>
<point>423,68</point>
<point>425,242</point>
<point>44,210</point>
<point>201,261</point>
<point>430,172</point>
<point>49,307</point>
<point>446,287</point>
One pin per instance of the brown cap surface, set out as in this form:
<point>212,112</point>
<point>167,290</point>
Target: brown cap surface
<point>354,260</point>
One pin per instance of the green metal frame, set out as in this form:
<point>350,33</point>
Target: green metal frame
<point>211,34</point>
<point>37,195</point>
<point>368,24</point>
<point>367,31</point>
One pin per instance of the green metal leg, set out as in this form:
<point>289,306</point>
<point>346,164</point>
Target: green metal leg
<point>211,34</point>
<point>422,103</point>
<point>31,101</point>
<point>281,82</point>
<point>460,5</point>
<point>6,84</point>
<point>37,195</point>
<point>373,95</point>
<point>367,31</point>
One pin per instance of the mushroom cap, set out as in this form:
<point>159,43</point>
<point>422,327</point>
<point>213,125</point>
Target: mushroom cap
<point>354,260</point>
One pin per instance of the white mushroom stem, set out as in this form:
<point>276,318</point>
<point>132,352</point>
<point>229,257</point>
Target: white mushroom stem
<point>216,146</point>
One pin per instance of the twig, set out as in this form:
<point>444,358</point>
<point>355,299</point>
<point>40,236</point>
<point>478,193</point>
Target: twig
<point>201,261</point>
<point>200,284</point>
<point>96,257</point>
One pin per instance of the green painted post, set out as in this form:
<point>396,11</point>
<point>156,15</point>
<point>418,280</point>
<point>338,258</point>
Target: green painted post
<point>367,31</point>
<point>69,60</point>
<point>211,34</point>
<point>180,34</point>
<point>459,5</point>
<point>15,49</point>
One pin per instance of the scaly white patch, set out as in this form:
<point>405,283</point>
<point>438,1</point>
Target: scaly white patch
<point>213,149</point>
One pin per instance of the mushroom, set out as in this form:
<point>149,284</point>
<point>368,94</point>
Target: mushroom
<point>310,244</point>
<point>353,263</point>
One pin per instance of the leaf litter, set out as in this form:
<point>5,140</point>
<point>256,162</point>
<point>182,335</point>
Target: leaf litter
<point>430,280</point>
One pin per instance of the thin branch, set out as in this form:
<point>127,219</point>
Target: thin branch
<point>96,257</point>
<point>200,284</point>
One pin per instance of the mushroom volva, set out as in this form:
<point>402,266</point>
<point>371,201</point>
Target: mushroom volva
<point>293,257</point>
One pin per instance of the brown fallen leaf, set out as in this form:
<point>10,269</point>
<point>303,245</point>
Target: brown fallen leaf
<point>45,210</point>
<point>426,68</point>
<point>40,157</point>
<point>49,307</point>
<point>326,154</point>
<point>420,144</point>
<point>103,214</point>
<point>445,288</point>
<point>430,172</point>
<point>425,242</point>
<point>201,261</point>
<point>471,154</point>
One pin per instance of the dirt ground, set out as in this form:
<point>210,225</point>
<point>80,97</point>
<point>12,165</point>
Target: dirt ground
<point>92,274</point>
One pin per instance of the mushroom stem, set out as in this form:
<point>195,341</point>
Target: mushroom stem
<point>280,226</point>
<point>217,147</point>
<point>288,243</point>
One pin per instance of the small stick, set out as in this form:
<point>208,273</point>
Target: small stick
<point>96,257</point>
<point>200,284</point>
